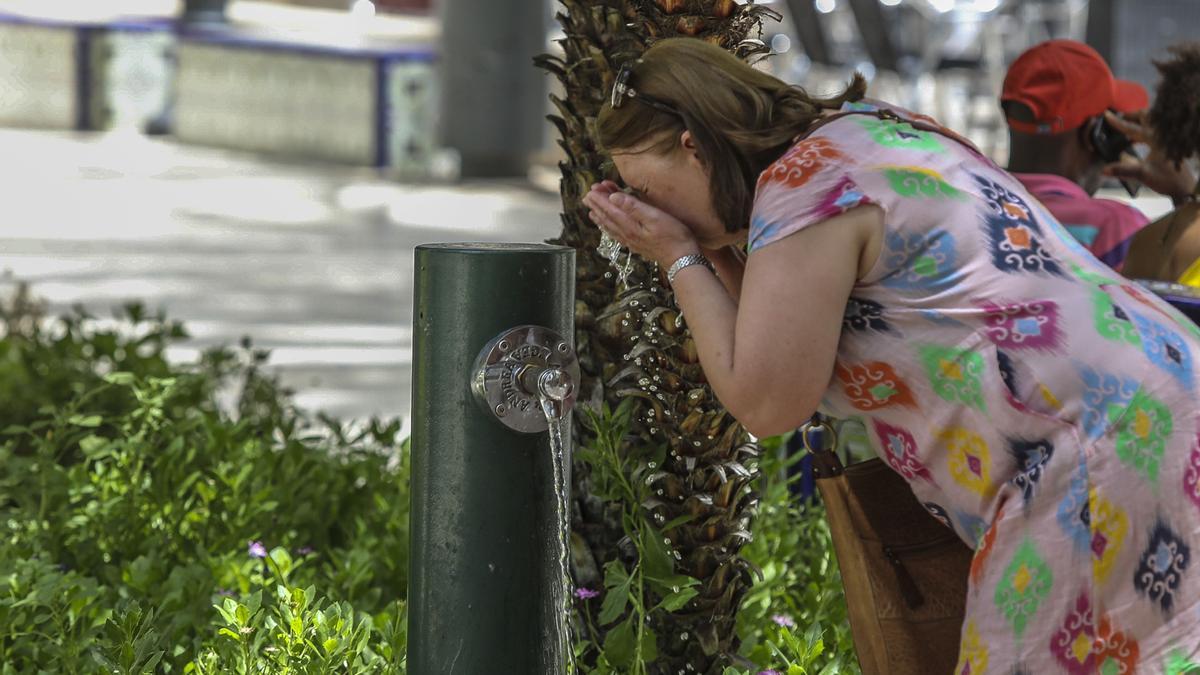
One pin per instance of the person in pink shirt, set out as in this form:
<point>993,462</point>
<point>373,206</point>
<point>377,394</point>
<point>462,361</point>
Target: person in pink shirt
<point>1058,99</point>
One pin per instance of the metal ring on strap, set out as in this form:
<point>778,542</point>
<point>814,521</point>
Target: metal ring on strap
<point>826,463</point>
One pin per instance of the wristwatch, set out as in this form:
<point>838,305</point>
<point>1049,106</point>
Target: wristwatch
<point>1191,197</point>
<point>688,261</point>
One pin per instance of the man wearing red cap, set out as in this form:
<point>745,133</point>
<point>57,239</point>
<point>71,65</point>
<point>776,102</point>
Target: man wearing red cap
<point>1056,96</point>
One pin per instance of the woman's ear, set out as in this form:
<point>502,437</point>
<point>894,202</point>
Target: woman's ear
<point>688,143</point>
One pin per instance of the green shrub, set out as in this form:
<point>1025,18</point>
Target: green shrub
<point>132,508</point>
<point>794,618</point>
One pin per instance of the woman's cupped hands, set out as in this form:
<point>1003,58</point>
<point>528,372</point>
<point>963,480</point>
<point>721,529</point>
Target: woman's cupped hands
<point>646,230</point>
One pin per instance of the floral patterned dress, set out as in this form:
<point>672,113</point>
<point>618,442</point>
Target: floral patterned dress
<point>1038,404</point>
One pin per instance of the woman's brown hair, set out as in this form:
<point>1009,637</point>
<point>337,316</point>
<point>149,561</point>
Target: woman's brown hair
<point>742,119</point>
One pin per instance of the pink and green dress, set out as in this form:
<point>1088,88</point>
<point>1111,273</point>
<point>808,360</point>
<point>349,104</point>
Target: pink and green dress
<point>1039,404</point>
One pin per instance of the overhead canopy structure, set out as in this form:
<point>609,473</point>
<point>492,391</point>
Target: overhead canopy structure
<point>873,28</point>
<point>811,32</point>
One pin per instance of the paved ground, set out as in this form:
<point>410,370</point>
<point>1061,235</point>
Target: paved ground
<point>314,262</point>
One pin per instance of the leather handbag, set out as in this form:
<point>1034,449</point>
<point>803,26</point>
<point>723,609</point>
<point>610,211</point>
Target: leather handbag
<point>905,573</point>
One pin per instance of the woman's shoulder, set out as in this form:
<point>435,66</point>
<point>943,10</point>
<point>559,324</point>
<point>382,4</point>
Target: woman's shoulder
<point>863,139</point>
<point>832,142</point>
<point>816,179</point>
<point>805,161</point>
<point>837,144</point>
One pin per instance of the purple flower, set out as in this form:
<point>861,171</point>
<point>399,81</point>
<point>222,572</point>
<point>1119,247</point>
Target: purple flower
<point>586,593</point>
<point>305,550</point>
<point>769,672</point>
<point>784,620</point>
<point>257,550</point>
<point>225,592</point>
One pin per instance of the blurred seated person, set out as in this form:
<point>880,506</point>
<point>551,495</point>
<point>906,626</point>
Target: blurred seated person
<point>1057,98</point>
<point>1169,250</point>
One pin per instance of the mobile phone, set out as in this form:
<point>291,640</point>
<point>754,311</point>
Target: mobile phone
<point>1110,144</point>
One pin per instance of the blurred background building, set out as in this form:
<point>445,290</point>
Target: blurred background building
<point>264,167</point>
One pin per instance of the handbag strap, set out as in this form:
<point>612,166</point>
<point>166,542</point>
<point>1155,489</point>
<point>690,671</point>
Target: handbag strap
<point>820,438</point>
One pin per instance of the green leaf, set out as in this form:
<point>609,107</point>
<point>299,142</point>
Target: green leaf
<point>616,594</point>
<point>253,602</point>
<point>659,455</point>
<point>228,610</point>
<point>152,662</point>
<point>85,421</point>
<point>675,601</point>
<point>588,419</point>
<point>619,644</point>
<point>656,559</point>
<point>206,491</point>
<point>91,444</point>
<point>120,378</point>
<point>330,645</point>
<point>680,520</point>
<point>649,646</point>
<point>674,581</point>
<point>615,574</point>
<point>816,649</point>
<point>623,413</point>
<point>230,634</point>
<point>283,565</point>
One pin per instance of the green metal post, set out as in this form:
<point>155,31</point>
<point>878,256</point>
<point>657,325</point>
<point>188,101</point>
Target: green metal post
<point>483,550</point>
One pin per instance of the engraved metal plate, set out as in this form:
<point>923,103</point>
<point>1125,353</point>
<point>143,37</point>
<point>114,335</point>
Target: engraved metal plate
<point>505,372</point>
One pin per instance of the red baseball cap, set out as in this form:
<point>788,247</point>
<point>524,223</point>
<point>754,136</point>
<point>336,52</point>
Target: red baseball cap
<point>1065,83</point>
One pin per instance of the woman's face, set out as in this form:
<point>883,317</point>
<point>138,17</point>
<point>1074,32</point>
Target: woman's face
<point>676,181</point>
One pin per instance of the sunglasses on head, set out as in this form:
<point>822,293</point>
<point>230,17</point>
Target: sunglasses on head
<point>622,90</point>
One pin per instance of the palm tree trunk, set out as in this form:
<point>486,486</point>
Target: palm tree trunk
<point>631,344</point>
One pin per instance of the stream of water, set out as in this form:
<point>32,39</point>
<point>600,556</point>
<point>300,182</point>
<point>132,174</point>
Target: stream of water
<point>561,589</point>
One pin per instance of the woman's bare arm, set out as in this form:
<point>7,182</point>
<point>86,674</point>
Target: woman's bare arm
<point>730,265</point>
<point>770,358</point>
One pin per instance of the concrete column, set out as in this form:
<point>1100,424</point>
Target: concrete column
<point>493,101</point>
<point>203,11</point>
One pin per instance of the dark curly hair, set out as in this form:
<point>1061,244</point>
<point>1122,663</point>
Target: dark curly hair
<point>1175,115</point>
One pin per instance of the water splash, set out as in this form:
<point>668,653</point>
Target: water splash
<point>610,249</point>
<point>561,591</point>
